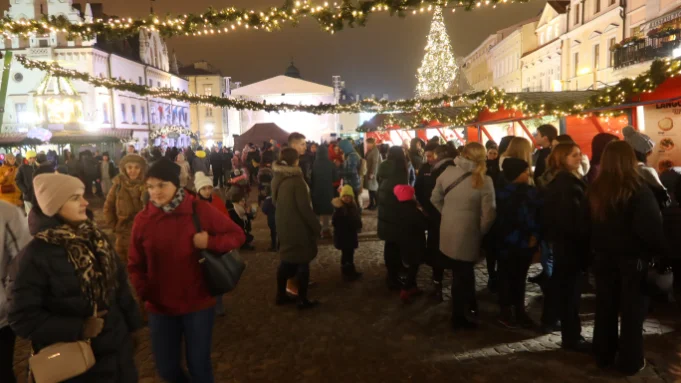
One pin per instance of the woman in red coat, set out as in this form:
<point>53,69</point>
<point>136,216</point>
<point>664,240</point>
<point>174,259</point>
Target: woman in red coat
<point>164,269</point>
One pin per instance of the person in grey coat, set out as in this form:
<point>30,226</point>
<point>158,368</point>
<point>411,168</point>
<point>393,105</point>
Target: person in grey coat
<point>373,158</point>
<point>297,227</point>
<point>14,236</point>
<point>465,197</point>
<point>324,174</point>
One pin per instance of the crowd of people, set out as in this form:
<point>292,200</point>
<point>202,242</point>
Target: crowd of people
<point>440,206</point>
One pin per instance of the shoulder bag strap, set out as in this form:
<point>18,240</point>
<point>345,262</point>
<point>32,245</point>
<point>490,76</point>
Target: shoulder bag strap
<point>195,217</point>
<point>456,183</point>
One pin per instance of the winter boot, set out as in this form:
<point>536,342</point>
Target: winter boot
<point>350,273</point>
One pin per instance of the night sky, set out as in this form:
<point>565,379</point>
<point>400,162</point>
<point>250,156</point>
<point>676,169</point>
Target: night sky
<point>380,58</point>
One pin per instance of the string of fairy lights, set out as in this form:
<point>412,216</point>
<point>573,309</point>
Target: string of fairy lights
<point>331,17</point>
<point>470,105</point>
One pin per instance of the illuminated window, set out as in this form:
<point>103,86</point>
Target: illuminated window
<point>597,56</point>
<point>209,111</point>
<point>208,90</point>
<point>576,64</point>
<point>611,53</point>
<point>21,112</point>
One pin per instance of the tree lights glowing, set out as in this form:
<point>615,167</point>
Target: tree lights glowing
<point>438,68</point>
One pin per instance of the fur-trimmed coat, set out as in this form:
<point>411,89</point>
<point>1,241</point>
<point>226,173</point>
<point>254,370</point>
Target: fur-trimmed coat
<point>297,225</point>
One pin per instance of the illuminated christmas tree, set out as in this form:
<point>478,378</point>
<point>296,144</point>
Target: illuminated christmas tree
<point>438,68</point>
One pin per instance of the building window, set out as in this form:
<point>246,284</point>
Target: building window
<point>43,43</point>
<point>18,77</point>
<point>151,82</point>
<point>133,113</point>
<point>597,6</point>
<point>612,2</point>
<point>576,14</point>
<point>158,83</point>
<point>597,56</point>
<point>576,65</point>
<point>209,111</point>
<point>143,114</point>
<point>124,117</point>
<point>611,54</point>
<point>139,80</point>
<point>105,113</point>
<point>21,112</point>
<point>208,90</point>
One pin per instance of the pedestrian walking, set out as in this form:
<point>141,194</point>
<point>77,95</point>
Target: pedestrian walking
<point>347,221</point>
<point>324,174</point>
<point>392,172</point>
<point>14,236</point>
<point>626,229</point>
<point>297,227</point>
<point>24,180</point>
<point>464,195</point>
<point>107,171</point>
<point>66,273</point>
<point>9,191</point>
<point>165,272</point>
<point>566,229</point>
<point>349,171</point>
<point>373,159</point>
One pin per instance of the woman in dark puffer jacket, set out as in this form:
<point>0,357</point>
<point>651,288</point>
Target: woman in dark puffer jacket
<point>68,271</point>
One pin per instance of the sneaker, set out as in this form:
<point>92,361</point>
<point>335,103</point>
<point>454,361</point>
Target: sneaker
<point>285,300</point>
<point>507,320</point>
<point>307,304</point>
<point>407,296</point>
<point>581,346</point>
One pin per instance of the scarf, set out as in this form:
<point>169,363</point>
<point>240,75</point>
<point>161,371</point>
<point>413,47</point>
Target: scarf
<point>91,254</point>
<point>174,203</point>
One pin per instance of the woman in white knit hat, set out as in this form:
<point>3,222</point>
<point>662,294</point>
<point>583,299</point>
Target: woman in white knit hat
<point>66,273</point>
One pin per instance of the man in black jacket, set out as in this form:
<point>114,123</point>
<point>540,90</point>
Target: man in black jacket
<point>217,165</point>
<point>545,136</point>
<point>24,180</point>
<point>439,158</point>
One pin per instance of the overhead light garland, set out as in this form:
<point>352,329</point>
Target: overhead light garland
<point>423,109</point>
<point>331,17</point>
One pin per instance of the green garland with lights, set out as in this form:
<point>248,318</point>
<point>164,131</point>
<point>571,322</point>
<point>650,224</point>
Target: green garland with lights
<point>423,109</point>
<point>331,18</point>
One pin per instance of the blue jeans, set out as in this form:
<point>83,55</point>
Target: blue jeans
<point>166,342</point>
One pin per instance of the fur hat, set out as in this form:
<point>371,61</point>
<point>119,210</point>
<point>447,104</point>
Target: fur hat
<point>639,141</point>
<point>201,180</point>
<point>347,190</point>
<point>165,170</point>
<point>404,193</point>
<point>53,190</point>
<point>514,167</point>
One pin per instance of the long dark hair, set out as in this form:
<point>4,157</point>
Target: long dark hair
<point>396,154</point>
<point>617,181</point>
<point>598,144</point>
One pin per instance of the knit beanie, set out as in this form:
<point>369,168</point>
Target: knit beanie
<point>165,170</point>
<point>404,193</point>
<point>201,180</point>
<point>514,167</point>
<point>201,154</point>
<point>347,190</point>
<point>53,190</point>
<point>31,154</point>
<point>639,141</point>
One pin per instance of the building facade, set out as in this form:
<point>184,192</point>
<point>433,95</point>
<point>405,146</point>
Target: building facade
<point>541,67</point>
<point>476,65</point>
<point>504,57</point>
<point>35,101</point>
<point>594,28</point>
<point>209,122</point>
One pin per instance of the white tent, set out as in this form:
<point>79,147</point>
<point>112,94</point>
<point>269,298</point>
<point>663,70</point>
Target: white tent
<point>282,85</point>
<point>285,89</point>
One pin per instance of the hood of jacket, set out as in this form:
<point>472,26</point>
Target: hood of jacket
<point>465,164</point>
<point>443,162</point>
<point>286,171</point>
<point>132,159</point>
<point>322,153</point>
<point>346,146</point>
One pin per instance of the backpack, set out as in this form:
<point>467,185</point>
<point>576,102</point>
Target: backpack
<point>362,167</point>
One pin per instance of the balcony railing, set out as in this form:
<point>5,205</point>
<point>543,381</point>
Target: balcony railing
<point>645,50</point>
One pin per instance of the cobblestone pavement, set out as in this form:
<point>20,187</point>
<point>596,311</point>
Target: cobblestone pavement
<point>363,333</point>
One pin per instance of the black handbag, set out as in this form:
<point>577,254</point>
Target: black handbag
<point>220,271</point>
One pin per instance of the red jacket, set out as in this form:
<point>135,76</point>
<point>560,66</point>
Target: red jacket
<point>219,204</point>
<point>163,262</point>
